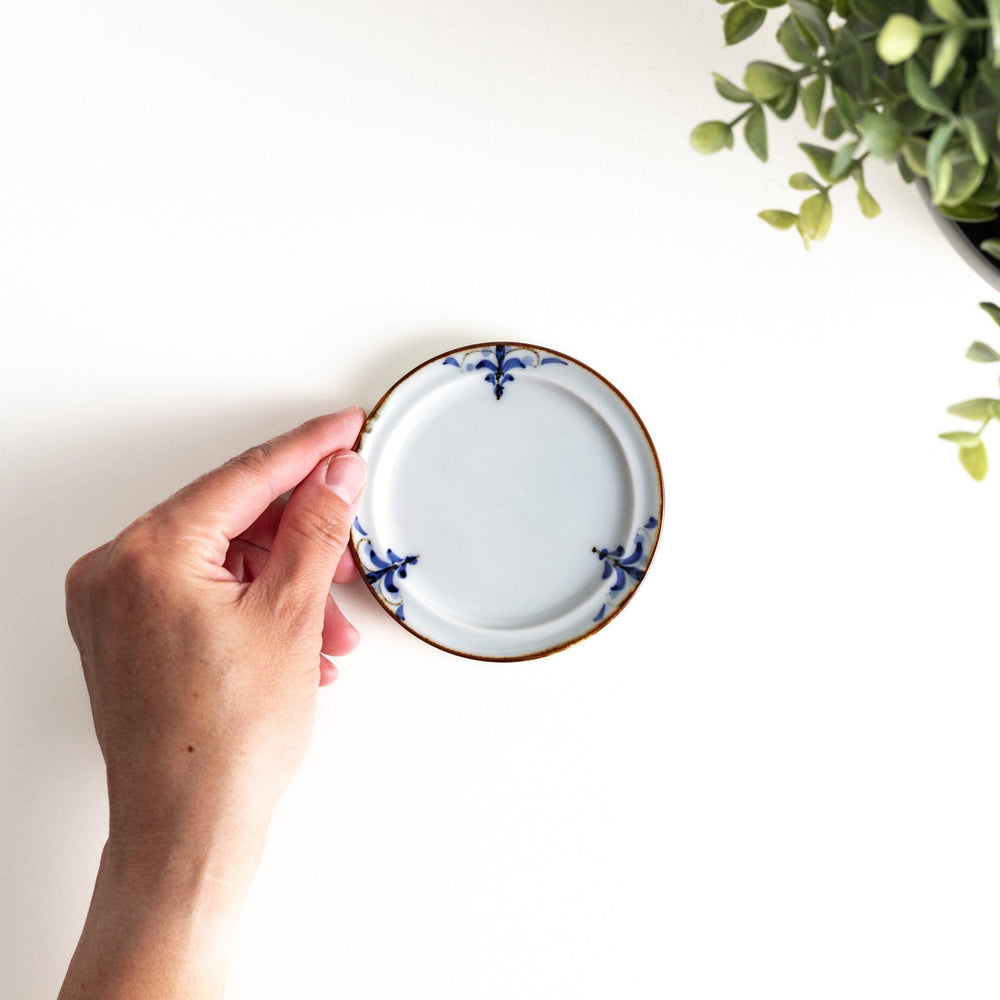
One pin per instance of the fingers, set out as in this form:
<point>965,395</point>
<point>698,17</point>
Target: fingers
<point>347,569</point>
<point>340,637</point>
<point>244,560</point>
<point>262,531</point>
<point>328,672</point>
<point>313,533</point>
<point>261,534</point>
<point>230,499</point>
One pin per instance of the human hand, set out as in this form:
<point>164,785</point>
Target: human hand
<point>200,629</point>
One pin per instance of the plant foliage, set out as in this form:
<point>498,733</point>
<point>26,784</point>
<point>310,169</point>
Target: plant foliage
<point>913,82</point>
<point>971,450</point>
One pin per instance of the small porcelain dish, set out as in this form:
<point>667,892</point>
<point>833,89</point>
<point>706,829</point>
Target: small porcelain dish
<point>513,504</point>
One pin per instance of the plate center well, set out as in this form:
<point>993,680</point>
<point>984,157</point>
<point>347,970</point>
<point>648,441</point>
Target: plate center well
<point>503,502</point>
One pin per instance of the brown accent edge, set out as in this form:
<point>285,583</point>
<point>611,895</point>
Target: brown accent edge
<point>597,626</point>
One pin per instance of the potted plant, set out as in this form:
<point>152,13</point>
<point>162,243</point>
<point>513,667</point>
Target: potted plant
<point>913,82</point>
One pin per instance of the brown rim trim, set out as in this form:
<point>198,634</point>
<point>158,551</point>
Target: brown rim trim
<point>373,416</point>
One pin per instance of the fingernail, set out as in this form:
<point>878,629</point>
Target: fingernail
<point>346,475</point>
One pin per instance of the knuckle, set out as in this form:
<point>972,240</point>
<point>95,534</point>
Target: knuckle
<point>312,424</point>
<point>254,460</point>
<point>327,527</point>
<point>132,555</point>
<point>78,578</point>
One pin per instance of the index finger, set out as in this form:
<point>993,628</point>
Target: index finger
<point>229,499</point>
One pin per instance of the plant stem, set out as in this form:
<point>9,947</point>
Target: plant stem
<point>742,115</point>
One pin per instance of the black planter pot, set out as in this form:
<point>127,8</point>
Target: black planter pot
<point>965,237</point>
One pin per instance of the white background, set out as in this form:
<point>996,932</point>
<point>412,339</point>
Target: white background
<point>775,774</point>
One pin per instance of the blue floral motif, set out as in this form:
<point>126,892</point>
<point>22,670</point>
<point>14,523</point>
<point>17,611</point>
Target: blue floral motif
<point>498,363</point>
<point>628,570</point>
<point>383,573</point>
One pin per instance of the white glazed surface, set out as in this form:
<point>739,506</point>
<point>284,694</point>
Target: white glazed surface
<point>500,506</point>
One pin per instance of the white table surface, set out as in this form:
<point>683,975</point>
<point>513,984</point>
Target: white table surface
<point>775,773</point>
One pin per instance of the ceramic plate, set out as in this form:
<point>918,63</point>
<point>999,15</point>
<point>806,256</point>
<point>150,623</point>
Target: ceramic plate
<point>513,504</point>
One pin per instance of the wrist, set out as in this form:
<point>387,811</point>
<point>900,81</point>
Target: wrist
<point>210,863</point>
<point>161,914</point>
<point>186,836</point>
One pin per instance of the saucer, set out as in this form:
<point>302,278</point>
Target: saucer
<point>513,504</point>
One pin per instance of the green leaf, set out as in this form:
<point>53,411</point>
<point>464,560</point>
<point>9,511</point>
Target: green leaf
<point>989,191</point>
<point>730,92</point>
<point>965,176</point>
<point>816,214</point>
<point>852,64</point>
<point>914,151</point>
<point>778,218</point>
<point>767,81</point>
<point>910,115</point>
<point>806,241</point>
<point>843,160</point>
<point>993,10</point>
<point>741,21</point>
<point>989,75</point>
<point>979,410</point>
<point>804,182</point>
<point>784,105</point>
<point>975,461</point>
<point>941,180</point>
<point>935,157</point>
<point>768,4</point>
<point>921,91</point>
<point>812,100</point>
<point>993,311</point>
<point>977,143</point>
<point>966,439</point>
<point>946,53</point>
<point>899,38</point>
<point>821,158</point>
<point>755,133</point>
<point>791,41</point>
<point>883,135</point>
<point>969,211</point>
<point>811,22</point>
<point>947,10</point>
<point>870,208</point>
<point>710,137</point>
<point>991,247</point>
<point>982,352</point>
<point>846,105</point>
<point>874,11</point>
<point>833,125</point>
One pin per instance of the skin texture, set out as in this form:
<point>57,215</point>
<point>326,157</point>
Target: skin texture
<point>200,629</point>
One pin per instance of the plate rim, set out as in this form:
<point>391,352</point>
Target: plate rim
<point>372,416</point>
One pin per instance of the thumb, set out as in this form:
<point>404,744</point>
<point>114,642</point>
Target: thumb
<point>314,529</point>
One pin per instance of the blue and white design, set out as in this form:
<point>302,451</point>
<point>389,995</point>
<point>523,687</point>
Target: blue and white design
<point>628,570</point>
<point>503,503</point>
<point>383,573</point>
<point>498,363</point>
